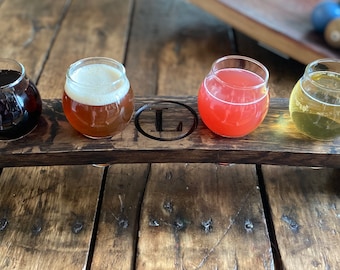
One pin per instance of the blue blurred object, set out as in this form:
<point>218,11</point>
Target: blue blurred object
<point>323,13</point>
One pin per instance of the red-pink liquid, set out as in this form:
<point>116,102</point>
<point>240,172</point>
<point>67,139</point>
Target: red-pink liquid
<point>230,105</point>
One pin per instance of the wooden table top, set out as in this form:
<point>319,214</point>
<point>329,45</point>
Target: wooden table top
<point>155,215</point>
<point>283,26</point>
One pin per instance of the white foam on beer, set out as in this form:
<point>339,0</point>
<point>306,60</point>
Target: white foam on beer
<point>95,85</point>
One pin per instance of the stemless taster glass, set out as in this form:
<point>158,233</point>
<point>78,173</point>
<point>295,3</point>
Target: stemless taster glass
<point>20,102</point>
<point>98,99</point>
<point>314,103</point>
<point>233,99</point>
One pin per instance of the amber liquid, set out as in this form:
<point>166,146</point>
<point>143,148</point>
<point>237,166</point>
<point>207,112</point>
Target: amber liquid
<point>20,110</point>
<point>99,121</point>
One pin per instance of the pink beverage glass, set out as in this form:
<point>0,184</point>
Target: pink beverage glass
<point>233,98</point>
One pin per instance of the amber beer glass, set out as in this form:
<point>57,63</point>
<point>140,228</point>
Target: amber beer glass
<point>20,102</point>
<point>98,100</point>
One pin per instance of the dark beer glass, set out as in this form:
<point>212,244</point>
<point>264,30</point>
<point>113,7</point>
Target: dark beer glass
<point>20,102</point>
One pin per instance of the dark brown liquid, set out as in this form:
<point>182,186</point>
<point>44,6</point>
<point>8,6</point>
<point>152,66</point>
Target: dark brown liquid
<point>20,106</point>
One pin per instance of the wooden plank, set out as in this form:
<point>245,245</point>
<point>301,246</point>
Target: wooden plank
<point>47,216</point>
<point>203,216</point>
<point>282,25</point>
<point>305,210</point>
<point>276,141</point>
<point>119,224</point>
<point>28,29</point>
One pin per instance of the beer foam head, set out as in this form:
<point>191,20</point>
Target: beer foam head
<point>96,84</point>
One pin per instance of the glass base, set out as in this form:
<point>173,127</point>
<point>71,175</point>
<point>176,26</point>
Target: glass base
<point>231,137</point>
<point>101,165</point>
<point>11,138</point>
<point>97,138</point>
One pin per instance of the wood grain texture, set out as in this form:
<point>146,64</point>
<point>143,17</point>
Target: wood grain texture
<point>282,25</point>
<point>47,216</point>
<point>304,203</point>
<point>276,141</point>
<point>29,28</point>
<point>117,234</point>
<point>203,216</point>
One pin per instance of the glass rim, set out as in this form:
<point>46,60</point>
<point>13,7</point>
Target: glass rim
<point>261,85</point>
<point>19,79</point>
<point>236,103</point>
<point>309,72</point>
<point>96,60</point>
<point>245,58</point>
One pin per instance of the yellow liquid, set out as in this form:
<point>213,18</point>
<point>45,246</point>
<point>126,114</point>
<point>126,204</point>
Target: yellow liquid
<point>313,118</point>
